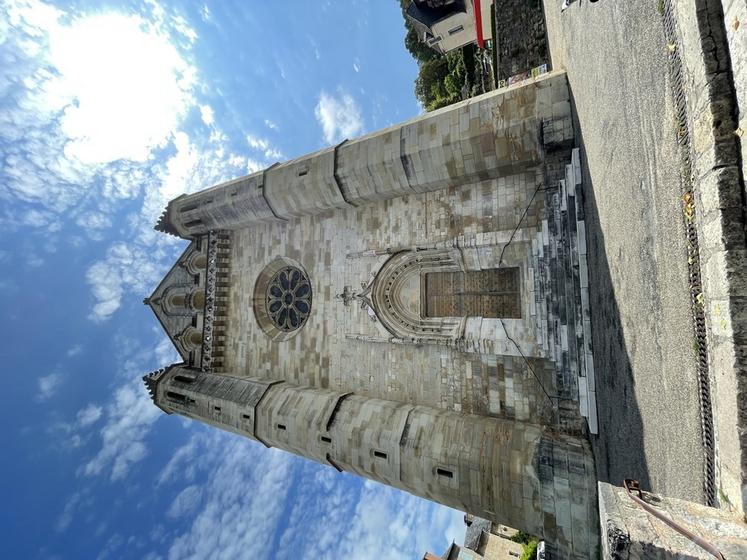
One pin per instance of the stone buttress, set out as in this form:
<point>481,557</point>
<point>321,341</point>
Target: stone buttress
<point>525,475</point>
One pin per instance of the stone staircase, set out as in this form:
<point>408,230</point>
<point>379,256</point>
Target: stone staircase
<point>562,291</point>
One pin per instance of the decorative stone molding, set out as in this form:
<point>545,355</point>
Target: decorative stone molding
<point>392,311</point>
<point>216,300</point>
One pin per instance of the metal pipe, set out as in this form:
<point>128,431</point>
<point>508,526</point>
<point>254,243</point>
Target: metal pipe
<point>633,486</point>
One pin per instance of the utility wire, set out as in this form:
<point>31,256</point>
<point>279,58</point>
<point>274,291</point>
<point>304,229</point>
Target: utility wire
<point>500,262</point>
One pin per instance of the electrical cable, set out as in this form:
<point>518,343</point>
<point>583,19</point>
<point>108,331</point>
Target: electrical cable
<point>500,262</point>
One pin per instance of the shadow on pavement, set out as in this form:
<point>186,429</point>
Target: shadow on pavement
<point>618,448</point>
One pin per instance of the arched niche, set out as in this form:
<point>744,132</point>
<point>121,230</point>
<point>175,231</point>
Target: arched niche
<point>393,291</point>
<point>401,297</point>
<point>190,339</point>
<point>184,300</point>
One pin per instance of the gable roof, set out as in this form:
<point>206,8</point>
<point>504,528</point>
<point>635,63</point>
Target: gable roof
<point>177,276</point>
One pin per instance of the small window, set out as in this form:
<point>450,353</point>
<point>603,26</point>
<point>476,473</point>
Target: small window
<point>456,30</point>
<point>183,378</point>
<point>246,416</point>
<point>325,439</point>
<point>281,426</point>
<point>445,473</point>
<point>217,408</point>
<point>193,223</point>
<point>303,172</point>
<point>178,397</point>
<point>380,454</point>
<point>188,208</point>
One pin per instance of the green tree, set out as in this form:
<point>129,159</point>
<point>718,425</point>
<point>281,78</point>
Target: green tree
<point>430,83</point>
<point>441,79</point>
<point>419,50</point>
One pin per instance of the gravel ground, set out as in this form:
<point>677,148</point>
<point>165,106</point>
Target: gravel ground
<point>615,55</point>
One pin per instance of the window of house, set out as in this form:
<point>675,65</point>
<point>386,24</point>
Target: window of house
<point>456,30</point>
<point>489,293</point>
<point>380,454</point>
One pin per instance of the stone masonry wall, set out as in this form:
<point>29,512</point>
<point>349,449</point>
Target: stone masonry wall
<point>631,533</point>
<point>518,473</point>
<point>486,137</point>
<point>331,247</point>
<point>718,184</point>
<point>521,37</point>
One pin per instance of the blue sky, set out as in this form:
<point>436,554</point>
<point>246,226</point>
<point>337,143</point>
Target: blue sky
<point>108,110</point>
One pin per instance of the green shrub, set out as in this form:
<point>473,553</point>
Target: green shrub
<point>530,550</point>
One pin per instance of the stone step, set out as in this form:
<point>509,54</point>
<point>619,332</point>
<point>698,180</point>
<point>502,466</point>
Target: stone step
<point>561,306</point>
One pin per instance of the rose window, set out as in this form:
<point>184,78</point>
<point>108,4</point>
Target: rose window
<point>289,299</point>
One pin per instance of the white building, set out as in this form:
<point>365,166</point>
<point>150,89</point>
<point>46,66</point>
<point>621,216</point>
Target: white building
<point>445,25</point>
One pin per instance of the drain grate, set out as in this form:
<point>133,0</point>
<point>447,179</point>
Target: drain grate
<point>693,253</point>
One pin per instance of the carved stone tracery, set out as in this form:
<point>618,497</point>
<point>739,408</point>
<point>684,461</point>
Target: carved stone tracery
<point>392,310</point>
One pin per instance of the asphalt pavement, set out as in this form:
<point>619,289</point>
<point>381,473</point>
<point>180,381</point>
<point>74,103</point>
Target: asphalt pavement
<point>647,394</point>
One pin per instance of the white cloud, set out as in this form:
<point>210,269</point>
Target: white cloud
<point>270,124</point>
<point>66,517</point>
<point>207,115</point>
<point>340,117</point>
<point>186,502</point>
<point>125,267</point>
<point>88,98</point>
<point>205,13</point>
<point>264,146</point>
<point>41,219</point>
<point>129,418</point>
<point>74,350</point>
<point>88,415</point>
<point>335,518</point>
<point>48,386</point>
<point>243,499</point>
<point>94,221</point>
<point>127,85</point>
<point>34,260</point>
<point>181,465</point>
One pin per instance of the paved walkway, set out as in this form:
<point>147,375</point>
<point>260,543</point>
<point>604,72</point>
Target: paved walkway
<point>615,55</point>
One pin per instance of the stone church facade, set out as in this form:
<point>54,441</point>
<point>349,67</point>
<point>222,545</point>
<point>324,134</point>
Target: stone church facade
<point>410,306</point>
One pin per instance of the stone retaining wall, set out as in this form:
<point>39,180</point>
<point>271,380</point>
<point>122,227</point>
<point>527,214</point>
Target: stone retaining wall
<point>630,533</point>
<point>718,185</point>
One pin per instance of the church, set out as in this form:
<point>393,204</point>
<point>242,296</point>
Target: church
<point>410,306</point>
